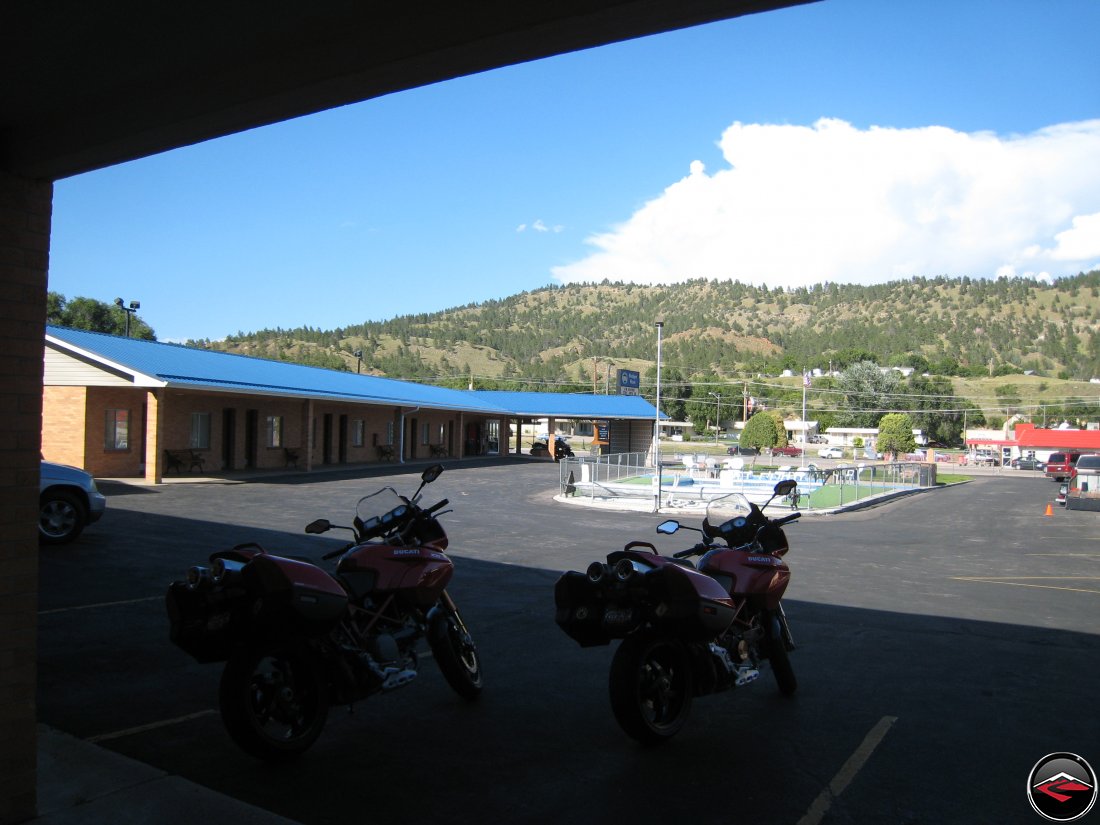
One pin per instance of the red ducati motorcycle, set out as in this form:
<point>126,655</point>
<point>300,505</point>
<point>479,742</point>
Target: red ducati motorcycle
<point>296,638</point>
<point>687,631</point>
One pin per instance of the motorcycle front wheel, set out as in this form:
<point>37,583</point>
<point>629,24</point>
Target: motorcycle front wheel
<point>776,650</point>
<point>456,654</point>
<point>651,687</point>
<point>273,702</point>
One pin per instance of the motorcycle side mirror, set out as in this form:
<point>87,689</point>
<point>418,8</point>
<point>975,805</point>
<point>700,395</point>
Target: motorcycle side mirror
<point>322,525</point>
<point>668,527</point>
<point>784,487</point>
<point>431,474</point>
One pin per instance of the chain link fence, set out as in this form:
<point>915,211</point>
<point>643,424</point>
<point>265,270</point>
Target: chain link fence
<point>629,480</point>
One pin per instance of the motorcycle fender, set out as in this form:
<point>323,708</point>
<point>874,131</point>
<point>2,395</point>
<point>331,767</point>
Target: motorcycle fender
<point>295,593</point>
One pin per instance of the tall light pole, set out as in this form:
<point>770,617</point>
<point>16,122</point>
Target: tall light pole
<point>657,426</point>
<point>717,416</point>
<point>129,310</point>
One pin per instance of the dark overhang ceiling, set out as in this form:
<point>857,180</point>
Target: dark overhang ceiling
<point>90,84</point>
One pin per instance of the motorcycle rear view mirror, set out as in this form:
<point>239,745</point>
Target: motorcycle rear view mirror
<point>431,474</point>
<point>668,527</point>
<point>322,525</point>
<point>784,487</point>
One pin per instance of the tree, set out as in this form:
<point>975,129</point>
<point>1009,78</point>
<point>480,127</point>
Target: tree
<point>895,434</point>
<point>94,316</point>
<point>760,431</point>
<point>868,393</point>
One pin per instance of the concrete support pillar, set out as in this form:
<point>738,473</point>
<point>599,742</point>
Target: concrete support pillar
<point>25,214</point>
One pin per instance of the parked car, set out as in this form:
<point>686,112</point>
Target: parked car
<point>788,449</point>
<point>831,452</point>
<point>1060,465</point>
<point>1026,463</point>
<point>737,449</point>
<point>1083,488</point>
<point>68,501</point>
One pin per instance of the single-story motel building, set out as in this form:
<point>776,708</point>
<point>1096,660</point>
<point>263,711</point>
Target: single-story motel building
<point>121,408</point>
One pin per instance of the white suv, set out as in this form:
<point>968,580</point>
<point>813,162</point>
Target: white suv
<point>68,501</point>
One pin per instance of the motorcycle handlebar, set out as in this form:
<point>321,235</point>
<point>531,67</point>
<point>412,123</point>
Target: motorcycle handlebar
<point>779,522</point>
<point>693,551</point>
<point>437,506</point>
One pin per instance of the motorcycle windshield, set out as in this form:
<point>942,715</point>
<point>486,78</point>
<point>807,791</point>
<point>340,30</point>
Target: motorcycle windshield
<point>378,505</point>
<point>721,511</point>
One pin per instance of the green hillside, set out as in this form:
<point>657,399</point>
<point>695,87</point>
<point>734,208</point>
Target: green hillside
<point>1039,340</point>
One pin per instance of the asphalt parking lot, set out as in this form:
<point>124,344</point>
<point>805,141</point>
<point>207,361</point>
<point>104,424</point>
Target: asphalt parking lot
<point>946,642</point>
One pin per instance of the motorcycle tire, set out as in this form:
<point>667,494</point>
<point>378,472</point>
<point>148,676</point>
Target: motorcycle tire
<point>776,651</point>
<point>651,687</point>
<point>273,702</point>
<point>456,654</point>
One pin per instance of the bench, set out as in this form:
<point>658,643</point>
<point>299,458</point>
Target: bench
<point>438,451</point>
<point>176,459</point>
<point>291,456</point>
<point>385,452</point>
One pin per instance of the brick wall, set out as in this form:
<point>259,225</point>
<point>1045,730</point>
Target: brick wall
<point>25,212</point>
<point>63,415</point>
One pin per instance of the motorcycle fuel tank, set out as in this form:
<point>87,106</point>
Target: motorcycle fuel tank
<point>422,572</point>
<point>744,573</point>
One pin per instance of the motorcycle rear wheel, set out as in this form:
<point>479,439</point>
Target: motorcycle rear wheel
<point>651,687</point>
<point>456,654</point>
<point>273,702</point>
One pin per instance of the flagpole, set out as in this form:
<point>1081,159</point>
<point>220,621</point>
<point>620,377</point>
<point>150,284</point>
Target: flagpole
<point>805,426</point>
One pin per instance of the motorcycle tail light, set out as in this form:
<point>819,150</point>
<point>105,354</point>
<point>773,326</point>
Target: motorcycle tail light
<point>197,576</point>
<point>224,570</point>
<point>624,570</point>
<point>596,572</point>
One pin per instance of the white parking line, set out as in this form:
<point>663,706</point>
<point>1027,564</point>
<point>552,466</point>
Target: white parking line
<point>118,734</point>
<point>101,604</point>
<point>847,772</point>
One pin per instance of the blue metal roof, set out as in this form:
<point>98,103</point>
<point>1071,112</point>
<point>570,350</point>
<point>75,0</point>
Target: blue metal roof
<point>178,366</point>
<point>571,405</point>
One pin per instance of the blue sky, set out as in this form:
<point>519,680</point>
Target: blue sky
<point>849,140</point>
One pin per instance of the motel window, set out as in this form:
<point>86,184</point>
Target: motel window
<point>200,431</point>
<point>116,434</point>
<point>389,433</point>
<point>357,430</point>
<point>425,433</point>
<point>273,431</point>
<point>439,440</point>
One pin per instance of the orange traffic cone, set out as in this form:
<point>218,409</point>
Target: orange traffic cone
<point>1050,509</point>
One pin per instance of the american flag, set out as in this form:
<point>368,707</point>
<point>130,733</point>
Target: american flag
<point>805,379</point>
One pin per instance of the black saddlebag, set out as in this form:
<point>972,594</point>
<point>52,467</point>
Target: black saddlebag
<point>205,622</point>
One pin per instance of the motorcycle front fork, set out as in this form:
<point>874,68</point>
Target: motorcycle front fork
<point>784,628</point>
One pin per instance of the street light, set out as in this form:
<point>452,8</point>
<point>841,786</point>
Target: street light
<point>358,360</point>
<point>657,425</point>
<point>717,416</point>
<point>129,310</point>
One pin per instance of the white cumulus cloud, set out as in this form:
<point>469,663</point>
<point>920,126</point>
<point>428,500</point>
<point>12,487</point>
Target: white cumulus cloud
<point>799,205</point>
